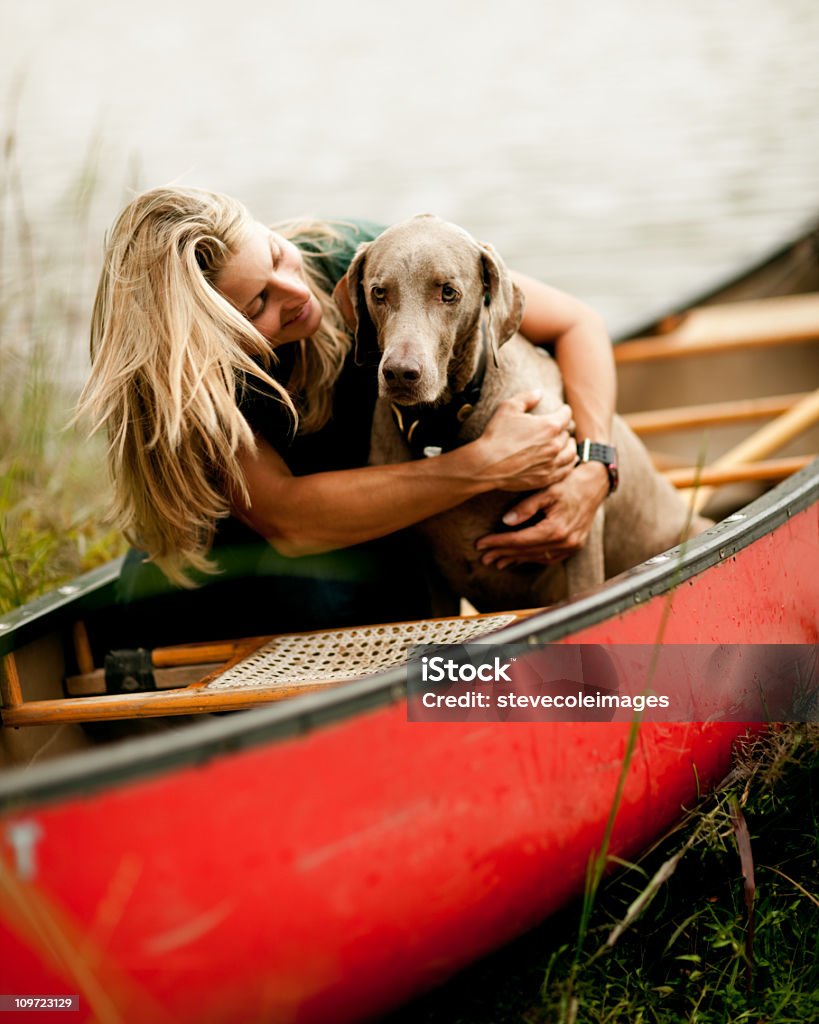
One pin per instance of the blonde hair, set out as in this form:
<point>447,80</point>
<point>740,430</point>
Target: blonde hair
<point>169,358</point>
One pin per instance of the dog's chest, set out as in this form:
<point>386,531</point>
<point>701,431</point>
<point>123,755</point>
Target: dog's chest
<point>452,534</point>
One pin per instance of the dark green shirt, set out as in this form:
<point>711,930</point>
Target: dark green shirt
<point>344,441</point>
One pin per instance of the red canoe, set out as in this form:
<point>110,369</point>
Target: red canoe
<point>322,858</point>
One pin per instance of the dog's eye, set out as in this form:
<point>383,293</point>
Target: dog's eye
<point>378,294</point>
<point>449,294</point>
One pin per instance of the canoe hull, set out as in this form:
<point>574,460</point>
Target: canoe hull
<point>324,858</point>
<point>203,891</point>
<point>214,896</point>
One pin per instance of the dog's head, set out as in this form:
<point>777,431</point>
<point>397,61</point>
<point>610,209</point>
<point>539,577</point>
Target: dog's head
<point>417,295</point>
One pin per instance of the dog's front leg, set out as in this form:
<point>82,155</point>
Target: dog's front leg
<point>386,444</point>
<point>587,568</point>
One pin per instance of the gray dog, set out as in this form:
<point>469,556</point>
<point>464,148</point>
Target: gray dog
<point>431,353</point>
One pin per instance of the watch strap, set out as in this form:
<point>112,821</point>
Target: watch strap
<point>596,451</point>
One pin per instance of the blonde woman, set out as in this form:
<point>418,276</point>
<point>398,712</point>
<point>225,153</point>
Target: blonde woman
<point>238,427</point>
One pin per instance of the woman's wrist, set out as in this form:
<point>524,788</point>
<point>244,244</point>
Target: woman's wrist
<point>467,466</point>
<point>595,478</point>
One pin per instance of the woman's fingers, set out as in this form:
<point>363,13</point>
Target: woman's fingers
<point>524,401</point>
<point>529,507</point>
<point>570,507</point>
<point>534,541</point>
<point>528,451</point>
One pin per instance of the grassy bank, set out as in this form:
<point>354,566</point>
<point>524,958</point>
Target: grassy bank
<point>681,936</point>
<point>52,480</point>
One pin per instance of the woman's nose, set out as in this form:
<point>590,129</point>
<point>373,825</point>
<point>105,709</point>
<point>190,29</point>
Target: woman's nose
<point>292,288</point>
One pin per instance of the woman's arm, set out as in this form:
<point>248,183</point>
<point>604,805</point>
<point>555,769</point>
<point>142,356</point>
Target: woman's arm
<point>582,349</point>
<point>583,353</point>
<point>300,515</point>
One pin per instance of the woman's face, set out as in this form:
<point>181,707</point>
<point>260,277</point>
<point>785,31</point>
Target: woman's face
<point>264,279</point>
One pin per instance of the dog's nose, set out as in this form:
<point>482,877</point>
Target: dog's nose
<point>405,371</point>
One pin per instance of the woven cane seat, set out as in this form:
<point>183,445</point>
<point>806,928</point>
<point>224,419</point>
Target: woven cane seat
<point>298,659</point>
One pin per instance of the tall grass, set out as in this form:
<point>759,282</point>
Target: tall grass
<point>688,935</point>
<point>52,480</point>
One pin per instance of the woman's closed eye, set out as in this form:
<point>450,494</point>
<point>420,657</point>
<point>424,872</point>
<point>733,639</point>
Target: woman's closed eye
<point>257,306</point>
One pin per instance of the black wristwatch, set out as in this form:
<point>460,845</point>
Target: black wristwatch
<point>593,451</point>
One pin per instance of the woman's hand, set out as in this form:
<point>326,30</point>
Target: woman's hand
<point>521,451</point>
<point>568,508</point>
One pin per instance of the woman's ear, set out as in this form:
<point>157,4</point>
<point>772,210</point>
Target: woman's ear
<point>502,296</point>
<point>348,295</point>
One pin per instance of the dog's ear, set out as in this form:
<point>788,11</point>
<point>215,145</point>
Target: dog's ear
<point>349,296</point>
<point>502,296</point>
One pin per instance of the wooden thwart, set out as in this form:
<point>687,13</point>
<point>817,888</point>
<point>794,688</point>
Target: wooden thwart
<point>776,321</point>
<point>709,476</point>
<point>198,654</point>
<point>712,415</point>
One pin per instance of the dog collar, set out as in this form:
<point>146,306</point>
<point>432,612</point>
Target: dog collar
<point>430,430</point>
<point>594,451</point>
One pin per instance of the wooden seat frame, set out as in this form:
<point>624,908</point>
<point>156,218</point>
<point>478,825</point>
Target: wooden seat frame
<point>182,676</point>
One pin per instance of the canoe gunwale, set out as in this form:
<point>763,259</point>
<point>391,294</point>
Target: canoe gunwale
<point>139,757</point>
<point>804,234</point>
<point>59,606</point>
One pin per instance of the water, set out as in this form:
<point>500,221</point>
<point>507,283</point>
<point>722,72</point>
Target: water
<point>627,152</point>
